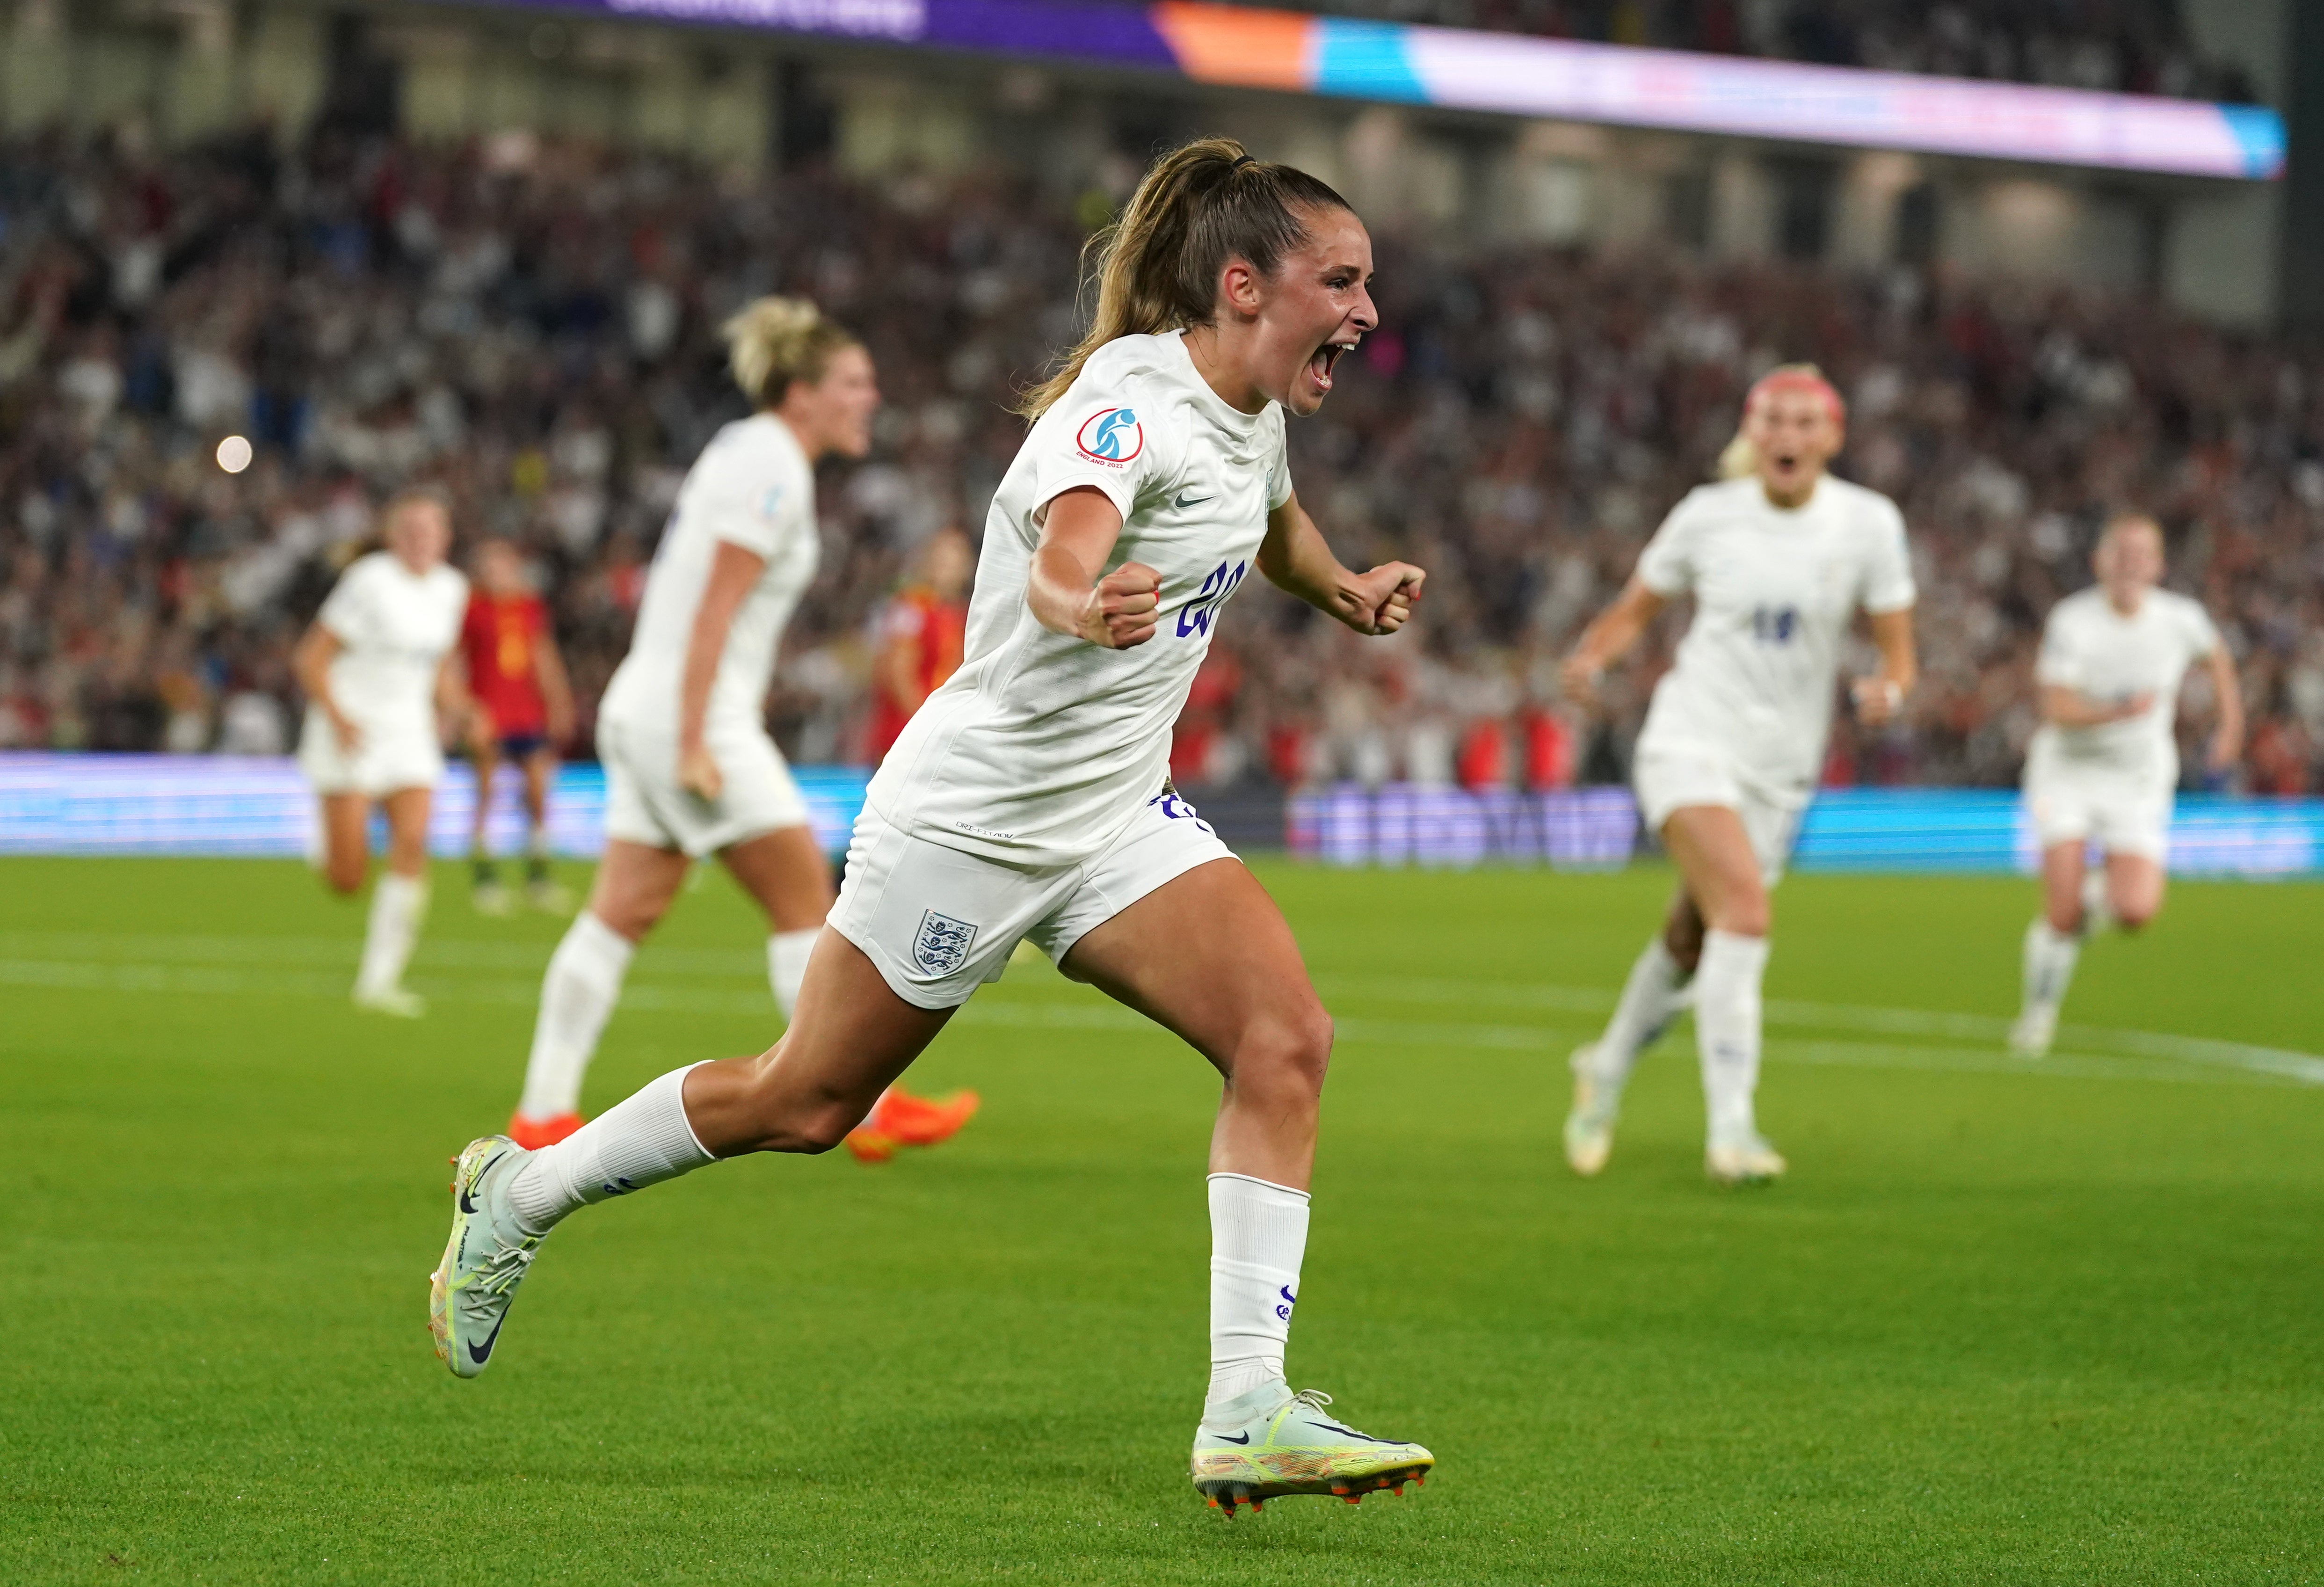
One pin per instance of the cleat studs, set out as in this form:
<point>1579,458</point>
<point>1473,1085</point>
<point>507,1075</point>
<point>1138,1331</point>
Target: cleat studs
<point>1355,1499</point>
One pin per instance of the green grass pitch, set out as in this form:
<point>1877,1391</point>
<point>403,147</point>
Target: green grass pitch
<point>2006,1324</point>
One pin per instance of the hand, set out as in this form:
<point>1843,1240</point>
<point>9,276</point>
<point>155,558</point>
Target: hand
<point>1578,675</point>
<point>2135,707</point>
<point>344,729</point>
<point>560,727</point>
<point>1119,612</point>
<point>1879,700</point>
<point>2227,749</point>
<point>1381,600</point>
<point>699,774</point>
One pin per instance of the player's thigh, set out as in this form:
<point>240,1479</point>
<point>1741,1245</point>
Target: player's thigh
<point>848,1039</point>
<point>347,839</point>
<point>2135,885</point>
<point>634,885</point>
<point>1209,956</point>
<point>785,871</point>
<point>407,828</point>
<point>1713,854</point>
<point>2063,865</point>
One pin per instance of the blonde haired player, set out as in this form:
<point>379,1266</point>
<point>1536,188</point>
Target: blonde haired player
<point>1779,557</point>
<point>2103,765</point>
<point>689,768</point>
<point>375,666</point>
<point>1027,799</point>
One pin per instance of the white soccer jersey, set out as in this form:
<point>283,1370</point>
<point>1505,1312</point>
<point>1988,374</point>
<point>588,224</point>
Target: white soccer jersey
<point>395,627</point>
<point>1774,591</point>
<point>2090,648</point>
<point>1043,746</point>
<point>751,487</point>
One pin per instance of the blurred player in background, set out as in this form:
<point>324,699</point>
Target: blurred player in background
<point>1779,557</point>
<point>921,629</point>
<point>2104,764</point>
<point>1028,799</point>
<point>375,666</point>
<point>524,710</point>
<point>689,768</point>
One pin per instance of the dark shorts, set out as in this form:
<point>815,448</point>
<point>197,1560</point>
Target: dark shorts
<point>523,746</point>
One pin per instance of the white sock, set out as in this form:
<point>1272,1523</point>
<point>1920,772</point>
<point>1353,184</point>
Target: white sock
<point>635,1143</point>
<point>786,956</point>
<point>1727,1029</point>
<point>2050,958</point>
<point>1649,998</point>
<point>577,998</point>
<point>1258,1234</point>
<point>398,905</point>
<point>2098,904</point>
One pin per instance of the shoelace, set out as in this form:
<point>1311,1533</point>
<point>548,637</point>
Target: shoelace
<point>1314,1399</point>
<point>498,1274</point>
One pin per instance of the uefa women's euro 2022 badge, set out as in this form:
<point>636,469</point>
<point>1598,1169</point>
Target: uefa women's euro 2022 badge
<point>940,945</point>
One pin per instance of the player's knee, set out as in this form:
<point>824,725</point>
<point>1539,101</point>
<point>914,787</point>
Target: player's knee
<point>1289,1052</point>
<point>1745,915</point>
<point>2065,920</point>
<point>2132,913</point>
<point>344,877</point>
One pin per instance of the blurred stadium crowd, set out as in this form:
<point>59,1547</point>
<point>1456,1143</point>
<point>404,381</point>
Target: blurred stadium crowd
<point>534,325</point>
<point>2126,46</point>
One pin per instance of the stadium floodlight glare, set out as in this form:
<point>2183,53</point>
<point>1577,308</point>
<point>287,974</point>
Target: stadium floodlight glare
<point>234,454</point>
<point>1519,75</point>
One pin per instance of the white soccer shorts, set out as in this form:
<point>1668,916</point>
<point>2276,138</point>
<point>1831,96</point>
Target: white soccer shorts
<point>1670,779</point>
<point>2078,804</point>
<point>940,923</point>
<point>644,804</point>
<point>386,763</point>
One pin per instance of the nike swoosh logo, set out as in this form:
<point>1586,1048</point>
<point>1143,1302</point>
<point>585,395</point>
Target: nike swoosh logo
<point>1334,1427</point>
<point>1186,501</point>
<point>465,1204</point>
<point>477,1353</point>
<point>1223,1438</point>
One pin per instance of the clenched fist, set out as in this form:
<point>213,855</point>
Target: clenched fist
<point>1381,600</point>
<point>1119,612</point>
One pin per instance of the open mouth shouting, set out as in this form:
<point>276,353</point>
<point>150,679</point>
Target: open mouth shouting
<point>1321,363</point>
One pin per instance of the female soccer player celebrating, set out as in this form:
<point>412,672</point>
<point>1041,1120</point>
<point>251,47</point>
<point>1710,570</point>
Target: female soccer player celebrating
<point>373,667</point>
<point>2103,764</point>
<point>689,768</point>
<point>1026,799</point>
<point>1779,562</point>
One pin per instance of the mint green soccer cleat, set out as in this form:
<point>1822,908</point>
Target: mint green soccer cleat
<point>1271,1441</point>
<point>469,1292</point>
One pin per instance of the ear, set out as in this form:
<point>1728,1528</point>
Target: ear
<point>1241,288</point>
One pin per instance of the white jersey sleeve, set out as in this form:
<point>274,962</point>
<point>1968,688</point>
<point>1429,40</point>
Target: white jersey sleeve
<point>2202,634</point>
<point>753,499</point>
<point>351,612</point>
<point>1110,439</point>
<point>2060,663</point>
<point>1888,562</point>
<point>1667,564</point>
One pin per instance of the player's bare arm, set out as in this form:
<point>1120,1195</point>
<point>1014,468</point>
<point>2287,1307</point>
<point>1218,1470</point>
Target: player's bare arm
<point>733,571</point>
<point>456,707</point>
<point>1880,697</point>
<point>1296,559</point>
<point>1065,591</point>
<point>2227,690</point>
<point>556,686</point>
<point>1608,637</point>
<point>311,663</point>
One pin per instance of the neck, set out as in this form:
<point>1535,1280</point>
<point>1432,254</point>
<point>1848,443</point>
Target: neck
<point>1789,501</point>
<point>800,432</point>
<point>2126,598</point>
<point>1218,354</point>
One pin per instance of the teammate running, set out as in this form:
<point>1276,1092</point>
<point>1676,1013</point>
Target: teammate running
<point>524,710</point>
<point>1778,559</point>
<point>921,631</point>
<point>689,768</point>
<point>374,667</point>
<point>2101,767</point>
<point>1027,799</point>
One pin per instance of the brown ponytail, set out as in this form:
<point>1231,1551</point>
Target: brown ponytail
<point>1158,267</point>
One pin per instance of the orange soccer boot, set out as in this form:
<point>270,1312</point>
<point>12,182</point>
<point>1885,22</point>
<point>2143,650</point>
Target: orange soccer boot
<point>532,1134</point>
<point>901,1119</point>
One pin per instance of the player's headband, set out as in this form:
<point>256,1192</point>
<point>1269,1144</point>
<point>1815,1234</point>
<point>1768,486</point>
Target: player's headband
<point>1799,377</point>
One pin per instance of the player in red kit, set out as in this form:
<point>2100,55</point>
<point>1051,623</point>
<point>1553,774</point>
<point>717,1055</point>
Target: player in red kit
<point>920,634</point>
<point>524,710</point>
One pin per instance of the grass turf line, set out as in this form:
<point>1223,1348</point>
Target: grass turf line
<point>1995,1329</point>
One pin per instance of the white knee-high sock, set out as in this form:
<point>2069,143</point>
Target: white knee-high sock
<point>1727,1029</point>
<point>786,956</point>
<point>1258,1235</point>
<point>635,1143</point>
<point>398,905</point>
<point>2050,958</point>
<point>577,998</point>
<point>1649,998</point>
<point>2098,904</point>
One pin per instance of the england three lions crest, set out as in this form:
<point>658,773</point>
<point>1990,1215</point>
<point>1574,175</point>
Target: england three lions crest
<point>940,945</point>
